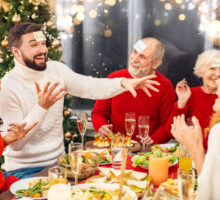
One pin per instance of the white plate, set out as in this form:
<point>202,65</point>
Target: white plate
<point>107,186</point>
<point>165,146</point>
<point>24,184</point>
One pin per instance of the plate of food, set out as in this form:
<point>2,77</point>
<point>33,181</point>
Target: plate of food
<point>105,142</point>
<point>172,148</point>
<point>138,182</point>
<point>33,188</point>
<point>142,159</point>
<point>100,191</point>
<point>171,187</point>
<point>88,167</point>
<point>104,155</point>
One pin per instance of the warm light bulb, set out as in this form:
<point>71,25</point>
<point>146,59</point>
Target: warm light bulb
<point>182,17</point>
<point>80,16</point>
<point>167,6</point>
<point>93,13</point>
<point>74,9</point>
<point>108,32</point>
<point>81,8</point>
<point>179,1</point>
<point>157,22</point>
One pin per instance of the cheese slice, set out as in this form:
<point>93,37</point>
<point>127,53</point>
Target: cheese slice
<point>138,175</point>
<point>104,171</point>
<point>139,184</point>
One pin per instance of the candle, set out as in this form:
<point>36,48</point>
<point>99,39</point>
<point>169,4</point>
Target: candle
<point>158,169</point>
<point>59,191</point>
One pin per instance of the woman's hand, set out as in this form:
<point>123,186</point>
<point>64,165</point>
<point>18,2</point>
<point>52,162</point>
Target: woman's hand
<point>191,138</point>
<point>183,93</point>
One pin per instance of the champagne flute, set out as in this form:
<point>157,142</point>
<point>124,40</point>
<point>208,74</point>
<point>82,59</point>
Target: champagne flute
<point>75,158</point>
<point>186,184</point>
<point>82,119</point>
<point>130,121</point>
<point>143,127</point>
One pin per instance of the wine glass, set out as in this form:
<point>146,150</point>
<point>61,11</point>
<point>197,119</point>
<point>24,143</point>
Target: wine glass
<point>75,158</point>
<point>82,119</point>
<point>130,121</point>
<point>143,127</point>
<point>186,183</point>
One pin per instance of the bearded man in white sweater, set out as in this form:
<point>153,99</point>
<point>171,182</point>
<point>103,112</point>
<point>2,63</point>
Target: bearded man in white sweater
<point>19,100</point>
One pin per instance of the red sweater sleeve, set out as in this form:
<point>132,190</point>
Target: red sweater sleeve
<point>101,113</point>
<point>2,180</point>
<point>168,99</point>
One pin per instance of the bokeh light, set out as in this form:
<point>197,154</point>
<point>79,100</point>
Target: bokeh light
<point>167,6</point>
<point>108,32</point>
<point>93,13</point>
<point>80,16</point>
<point>182,17</point>
<point>157,22</point>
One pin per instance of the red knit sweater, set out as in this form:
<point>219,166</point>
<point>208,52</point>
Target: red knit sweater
<point>2,179</point>
<point>200,105</point>
<point>158,107</point>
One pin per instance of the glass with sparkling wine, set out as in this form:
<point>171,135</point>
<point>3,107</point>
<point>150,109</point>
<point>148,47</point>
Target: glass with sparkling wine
<point>130,121</point>
<point>75,158</point>
<point>186,184</point>
<point>143,128</point>
<point>82,119</point>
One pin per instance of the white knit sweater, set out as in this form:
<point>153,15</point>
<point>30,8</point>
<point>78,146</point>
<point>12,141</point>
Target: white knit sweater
<point>19,103</point>
<point>208,181</point>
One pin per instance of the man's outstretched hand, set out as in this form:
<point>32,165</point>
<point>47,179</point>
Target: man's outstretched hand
<point>144,83</point>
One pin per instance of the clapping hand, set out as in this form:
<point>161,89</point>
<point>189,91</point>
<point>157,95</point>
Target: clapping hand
<point>144,83</point>
<point>46,97</point>
<point>186,135</point>
<point>17,132</point>
<point>183,92</point>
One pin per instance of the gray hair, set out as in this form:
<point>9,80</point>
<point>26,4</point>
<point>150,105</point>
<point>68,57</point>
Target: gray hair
<point>204,61</point>
<point>159,52</point>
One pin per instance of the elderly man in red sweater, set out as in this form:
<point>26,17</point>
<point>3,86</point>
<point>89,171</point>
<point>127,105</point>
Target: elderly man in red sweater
<point>109,115</point>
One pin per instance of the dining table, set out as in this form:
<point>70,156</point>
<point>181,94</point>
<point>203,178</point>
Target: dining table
<point>172,174</point>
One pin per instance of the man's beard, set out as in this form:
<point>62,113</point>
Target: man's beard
<point>33,65</point>
<point>139,73</point>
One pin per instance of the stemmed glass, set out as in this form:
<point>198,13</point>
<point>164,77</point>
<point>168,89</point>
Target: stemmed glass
<point>143,127</point>
<point>130,121</point>
<point>75,158</point>
<point>82,119</point>
<point>186,184</point>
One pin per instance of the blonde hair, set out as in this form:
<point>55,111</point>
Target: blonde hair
<point>214,120</point>
<point>204,60</point>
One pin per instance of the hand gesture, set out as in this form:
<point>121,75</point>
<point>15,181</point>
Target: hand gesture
<point>143,83</point>
<point>46,97</point>
<point>188,136</point>
<point>105,130</point>
<point>147,140</point>
<point>17,132</point>
<point>183,92</point>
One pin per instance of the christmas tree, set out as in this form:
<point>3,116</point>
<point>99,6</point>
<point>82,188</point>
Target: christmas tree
<point>36,11</point>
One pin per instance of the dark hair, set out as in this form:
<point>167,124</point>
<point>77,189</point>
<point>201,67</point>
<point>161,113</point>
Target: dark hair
<point>15,33</point>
